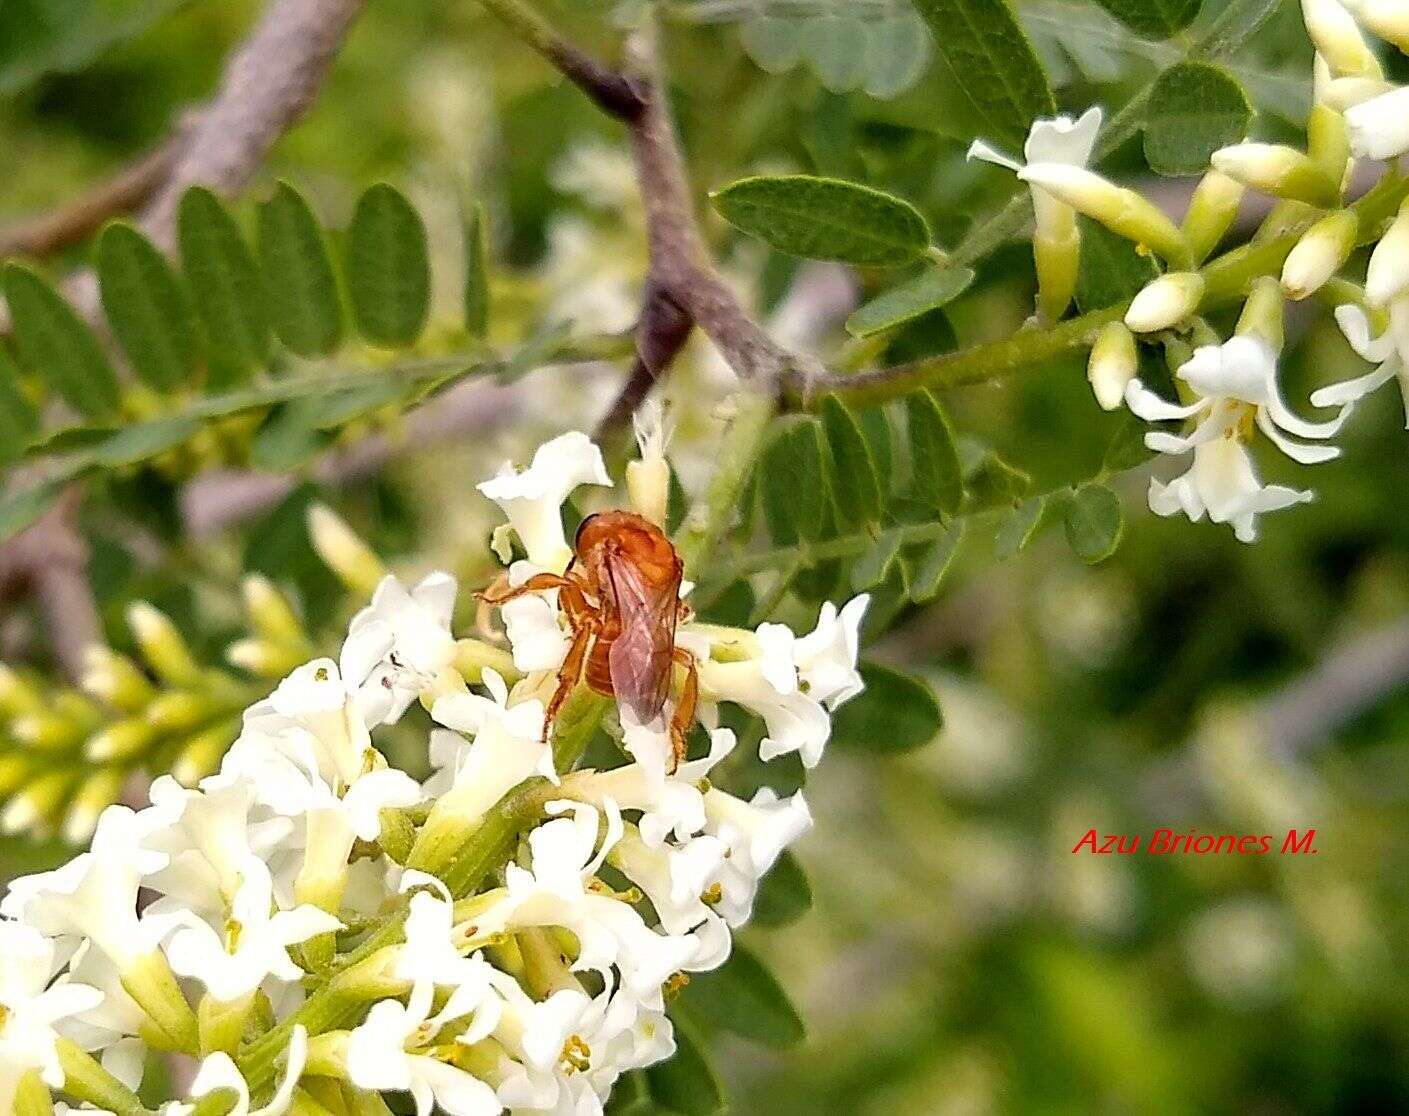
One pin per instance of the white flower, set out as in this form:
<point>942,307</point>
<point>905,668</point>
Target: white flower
<point>826,658</point>
<point>429,955</point>
<point>768,685</point>
<point>94,895</point>
<point>1387,351</point>
<point>676,879</point>
<point>533,498</point>
<point>648,479</point>
<point>393,1049</point>
<point>30,1007</point>
<point>755,833</point>
<point>1165,302</point>
<point>1379,127</point>
<point>398,644</point>
<point>252,945</point>
<point>219,1072</point>
<point>532,623</point>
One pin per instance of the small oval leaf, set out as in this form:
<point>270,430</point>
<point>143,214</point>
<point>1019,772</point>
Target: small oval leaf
<point>303,287</point>
<point>793,482</point>
<point>1194,109</point>
<point>744,998</point>
<point>825,219</point>
<point>785,894</point>
<point>895,713</point>
<point>686,1083</point>
<point>1019,527</point>
<point>938,474</point>
<point>389,274</point>
<point>1093,522</point>
<point>226,287</point>
<point>856,483</point>
<point>56,346</point>
<point>1155,19</point>
<point>933,288</point>
<point>19,421</point>
<point>476,274</point>
<point>147,307</point>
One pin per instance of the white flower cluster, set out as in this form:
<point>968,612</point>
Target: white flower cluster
<point>223,921</point>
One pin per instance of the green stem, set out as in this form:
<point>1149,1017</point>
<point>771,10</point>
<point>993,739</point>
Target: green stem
<point>86,1080</point>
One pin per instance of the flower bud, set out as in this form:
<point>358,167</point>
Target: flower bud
<point>1263,316</point>
<point>343,550</point>
<point>269,612</point>
<point>1337,38</point>
<point>1056,252</point>
<point>1388,273</point>
<point>162,645</point>
<point>1389,19</point>
<point>124,740</point>
<point>16,695</point>
<point>1320,253</point>
<point>36,804</point>
<point>1328,142</point>
<point>1379,127</point>
<point>262,658</point>
<point>202,752</point>
<point>96,794</point>
<point>1122,211</point>
<point>1212,211</point>
<point>1166,302</point>
<point>115,679</point>
<point>1283,172</point>
<point>1114,362</point>
<point>648,479</point>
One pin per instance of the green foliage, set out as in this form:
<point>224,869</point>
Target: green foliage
<point>825,219</point>
<point>147,308</point>
<point>1019,527</point>
<point>744,998</point>
<point>298,271</point>
<point>40,37</point>
<point>19,422</point>
<point>476,296</point>
<point>1156,19</point>
<point>932,565</point>
<point>1093,522</point>
<point>938,476</point>
<point>994,64</point>
<point>389,267</point>
<point>931,289</point>
<point>57,347</point>
<point>226,286</point>
<point>785,894</point>
<point>895,713</point>
<point>1111,269</point>
<point>876,561</point>
<point>1194,109</point>
<point>686,1084</point>
<point>856,483</point>
<point>793,484</point>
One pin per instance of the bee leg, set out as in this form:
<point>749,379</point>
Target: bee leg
<point>569,674</point>
<point>499,592</point>
<point>685,708</point>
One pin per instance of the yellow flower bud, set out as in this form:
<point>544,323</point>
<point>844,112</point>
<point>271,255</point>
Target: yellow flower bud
<point>354,562</point>
<point>1114,362</point>
<point>1319,254</point>
<point>1166,302</point>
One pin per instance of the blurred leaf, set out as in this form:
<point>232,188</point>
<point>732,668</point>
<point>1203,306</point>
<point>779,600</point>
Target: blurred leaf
<point>993,63</point>
<point>388,261</point>
<point>686,1083</point>
<point>880,439</point>
<point>631,1096</point>
<point>927,574</point>
<point>39,37</point>
<point>855,483</point>
<point>1155,19</point>
<point>20,508</point>
<point>1018,527</point>
<point>825,219</point>
<point>784,895</point>
<point>147,307</point>
<point>56,346</point>
<point>297,430</point>
<point>793,482</point>
<point>226,287</point>
<point>476,274</point>
<point>133,444</point>
<point>1111,270</point>
<point>294,256</point>
<point>876,561</point>
<point>928,335</point>
<point>895,713</point>
<point>935,461</point>
<point>1126,448</point>
<point>744,998</point>
<point>1093,522</point>
<point>929,290</point>
<point>1194,109</point>
<point>19,421</point>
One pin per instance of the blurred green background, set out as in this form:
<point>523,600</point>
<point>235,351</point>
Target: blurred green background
<point>959,958</point>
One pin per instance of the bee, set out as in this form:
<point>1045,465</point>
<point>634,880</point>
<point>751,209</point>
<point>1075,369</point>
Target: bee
<point>621,597</point>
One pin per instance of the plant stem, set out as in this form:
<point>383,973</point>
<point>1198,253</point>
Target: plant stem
<point>86,1080</point>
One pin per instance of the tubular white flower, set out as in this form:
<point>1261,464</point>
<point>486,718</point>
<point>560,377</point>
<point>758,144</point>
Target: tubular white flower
<point>755,833</point>
<point>1379,127</point>
<point>1283,172</point>
<point>398,644</point>
<point>1165,302</point>
<point>1113,364</point>
<point>826,657</point>
<point>648,479</point>
<point>1387,351</point>
<point>1319,254</point>
<point>533,498</point>
<point>1388,274</point>
<point>676,879</point>
<point>533,624</point>
<point>219,1072</point>
<point>1121,210</point>
<point>1056,240</point>
<point>1338,39</point>
<point>1389,19</point>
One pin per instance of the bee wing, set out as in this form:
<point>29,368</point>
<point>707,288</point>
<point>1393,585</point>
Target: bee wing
<point>640,657</point>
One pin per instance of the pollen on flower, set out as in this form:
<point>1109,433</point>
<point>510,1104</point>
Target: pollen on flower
<point>576,1056</point>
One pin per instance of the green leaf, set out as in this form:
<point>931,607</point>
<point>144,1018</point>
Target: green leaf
<point>895,713</point>
<point>1155,19</point>
<point>855,483</point>
<point>294,256</point>
<point>1111,270</point>
<point>825,219</point>
<point>137,443</point>
<point>880,439</point>
<point>476,274</point>
<point>56,346</point>
<point>226,287</point>
<point>938,476</point>
<point>147,307</point>
<point>19,509</point>
<point>744,998</point>
<point>928,291</point>
<point>784,895</point>
<point>928,572</point>
<point>793,482</point>
<point>1019,527</point>
<point>297,430</point>
<point>1194,109</point>
<point>39,37</point>
<point>1093,522</point>
<point>1126,448</point>
<point>389,271</point>
<point>875,563</point>
<point>993,63</point>
<point>685,1083</point>
<point>19,422</point>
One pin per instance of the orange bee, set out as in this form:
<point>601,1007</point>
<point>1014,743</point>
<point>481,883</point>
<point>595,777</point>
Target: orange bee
<point>621,596</point>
